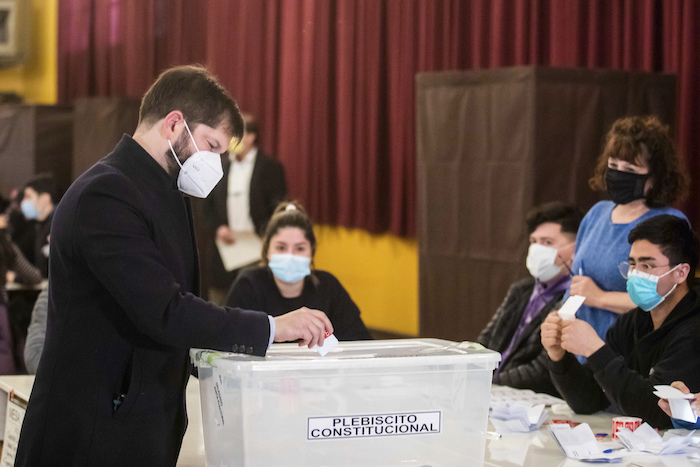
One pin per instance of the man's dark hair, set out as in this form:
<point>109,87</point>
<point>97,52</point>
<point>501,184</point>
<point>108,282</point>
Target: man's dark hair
<point>195,92</point>
<point>674,237</point>
<point>566,215</point>
<point>44,183</point>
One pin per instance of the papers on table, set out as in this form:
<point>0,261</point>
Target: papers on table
<point>519,417</point>
<point>679,402</point>
<point>570,307</point>
<point>645,439</point>
<point>501,395</point>
<point>580,443</point>
<point>246,250</point>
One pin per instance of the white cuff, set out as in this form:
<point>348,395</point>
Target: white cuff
<point>272,330</point>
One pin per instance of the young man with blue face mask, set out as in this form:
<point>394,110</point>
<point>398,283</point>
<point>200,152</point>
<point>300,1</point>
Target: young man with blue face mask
<point>514,330</point>
<point>653,344</point>
<point>123,306</point>
<point>40,195</point>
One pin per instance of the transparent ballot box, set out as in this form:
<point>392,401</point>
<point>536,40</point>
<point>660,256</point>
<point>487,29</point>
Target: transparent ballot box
<point>408,402</point>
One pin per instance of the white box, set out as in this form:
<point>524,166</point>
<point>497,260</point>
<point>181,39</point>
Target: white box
<point>410,402</point>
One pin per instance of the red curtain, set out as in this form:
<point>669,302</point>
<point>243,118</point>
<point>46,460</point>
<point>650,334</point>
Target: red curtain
<point>333,81</point>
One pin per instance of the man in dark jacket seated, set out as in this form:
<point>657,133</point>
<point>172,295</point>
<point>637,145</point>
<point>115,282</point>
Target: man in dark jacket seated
<point>515,328</point>
<point>655,343</point>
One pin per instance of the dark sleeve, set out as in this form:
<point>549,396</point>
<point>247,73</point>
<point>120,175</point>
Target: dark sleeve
<point>26,273</point>
<point>531,375</point>
<point>488,337</point>
<point>634,393</point>
<point>113,236</point>
<point>244,293</point>
<point>345,315</point>
<point>36,334</point>
<point>577,385</point>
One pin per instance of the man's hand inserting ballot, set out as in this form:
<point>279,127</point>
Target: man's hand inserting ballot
<point>305,324</point>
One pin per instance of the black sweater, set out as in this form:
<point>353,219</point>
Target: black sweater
<point>526,366</point>
<point>636,357</point>
<point>255,289</point>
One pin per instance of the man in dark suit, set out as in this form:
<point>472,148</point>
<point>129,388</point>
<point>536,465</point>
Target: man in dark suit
<point>123,305</point>
<point>243,201</point>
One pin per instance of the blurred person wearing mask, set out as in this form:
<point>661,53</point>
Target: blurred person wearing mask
<point>38,203</point>
<point>640,170</point>
<point>514,330</point>
<point>286,279</point>
<point>123,309</point>
<point>655,343</point>
<point>243,202</point>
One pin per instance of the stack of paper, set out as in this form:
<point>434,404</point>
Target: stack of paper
<point>501,395</point>
<point>645,439</point>
<point>679,402</point>
<point>520,417</point>
<point>580,443</point>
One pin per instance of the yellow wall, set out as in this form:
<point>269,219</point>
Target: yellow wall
<point>379,271</point>
<point>37,79</point>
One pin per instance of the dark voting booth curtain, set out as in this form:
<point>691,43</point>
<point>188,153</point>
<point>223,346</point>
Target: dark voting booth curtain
<point>333,81</point>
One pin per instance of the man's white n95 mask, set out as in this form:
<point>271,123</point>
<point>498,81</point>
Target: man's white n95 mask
<point>201,171</point>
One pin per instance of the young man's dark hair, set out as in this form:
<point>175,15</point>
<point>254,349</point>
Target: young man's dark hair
<point>558,212</point>
<point>195,92</point>
<point>675,238</point>
<point>44,183</point>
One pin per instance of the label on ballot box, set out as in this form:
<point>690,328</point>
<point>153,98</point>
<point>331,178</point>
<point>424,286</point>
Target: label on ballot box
<point>369,403</point>
<point>390,424</point>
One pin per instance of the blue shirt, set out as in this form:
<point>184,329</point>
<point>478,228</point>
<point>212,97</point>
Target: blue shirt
<point>601,246</point>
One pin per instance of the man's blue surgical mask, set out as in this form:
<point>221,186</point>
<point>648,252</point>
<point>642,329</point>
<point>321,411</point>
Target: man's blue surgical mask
<point>29,209</point>
<point>642,289</point>
<point>290,268</point>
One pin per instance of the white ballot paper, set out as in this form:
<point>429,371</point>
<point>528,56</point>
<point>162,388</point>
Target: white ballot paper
<point>569,308</point>
<point>679,402</point>
<point>520,417</point>
<point>580,443</point>
<point>246,250</point>
<point>329,343</point>
<point>645,439</point>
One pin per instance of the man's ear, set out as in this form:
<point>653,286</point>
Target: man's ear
<point>682,272</point>
<point>172,124</point>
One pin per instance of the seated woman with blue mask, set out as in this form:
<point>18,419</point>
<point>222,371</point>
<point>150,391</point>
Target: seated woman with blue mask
<point>285,281</point>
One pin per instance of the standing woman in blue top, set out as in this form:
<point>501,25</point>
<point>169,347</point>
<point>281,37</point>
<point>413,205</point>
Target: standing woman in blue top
<point>640,170</point>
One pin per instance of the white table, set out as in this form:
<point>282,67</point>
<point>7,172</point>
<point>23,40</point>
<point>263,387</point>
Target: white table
<point>537,449</point>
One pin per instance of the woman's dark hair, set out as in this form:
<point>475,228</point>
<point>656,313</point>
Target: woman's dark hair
<point>289,214</point>
<point>7,255</point>
<point>675,239</point>
<point>633,139</point>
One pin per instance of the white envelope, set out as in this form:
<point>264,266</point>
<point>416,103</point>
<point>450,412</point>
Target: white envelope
<point>570,307</point>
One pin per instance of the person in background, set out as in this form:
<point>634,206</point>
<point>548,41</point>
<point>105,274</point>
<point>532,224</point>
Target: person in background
<point>286,279</point>
<point>244,200</point>
<point>22,230</point>
<point>14,267</point>
<point>640,170</point>
<point>36,333</point>
<point>514,330</point>
<point>40,197</point>
<point>123,307</point>
<point>655,343</point>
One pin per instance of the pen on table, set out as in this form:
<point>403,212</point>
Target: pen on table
<point>493,435</point>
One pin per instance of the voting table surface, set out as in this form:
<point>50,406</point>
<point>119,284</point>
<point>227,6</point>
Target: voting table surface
<point>536,449</point>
